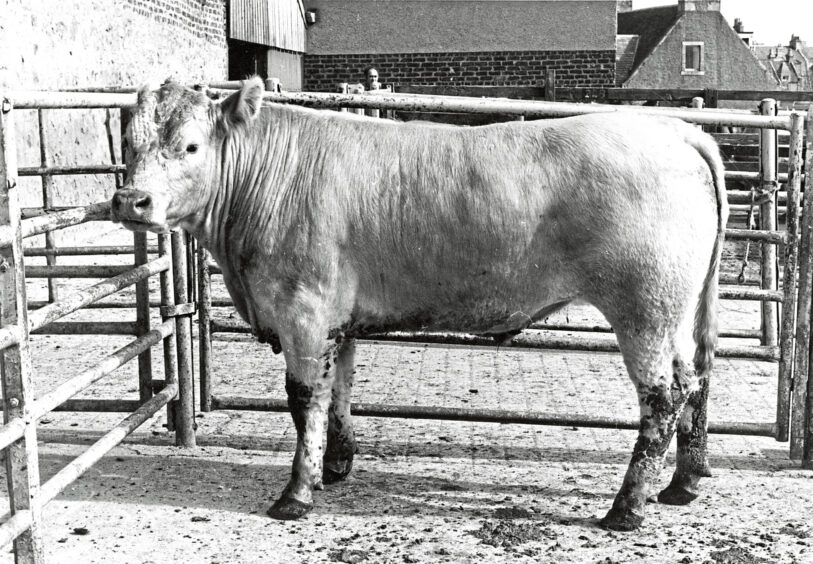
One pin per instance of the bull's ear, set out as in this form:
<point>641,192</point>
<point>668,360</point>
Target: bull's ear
<point>244,105</point>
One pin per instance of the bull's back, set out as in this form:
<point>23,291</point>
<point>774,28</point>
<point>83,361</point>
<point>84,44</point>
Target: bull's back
<point>465,227</point>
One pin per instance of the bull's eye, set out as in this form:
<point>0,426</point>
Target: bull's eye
<point>192,148</point>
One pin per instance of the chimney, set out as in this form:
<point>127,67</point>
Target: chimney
<point>698,6</point>
<point>622,6</point>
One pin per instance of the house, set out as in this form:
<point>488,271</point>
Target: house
<point>791,64</point>
<point>688,45</point>
<point>461,42</point>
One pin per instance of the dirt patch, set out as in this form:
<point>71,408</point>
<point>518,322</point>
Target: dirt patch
<point>510,533</point>
<point>736,555</point>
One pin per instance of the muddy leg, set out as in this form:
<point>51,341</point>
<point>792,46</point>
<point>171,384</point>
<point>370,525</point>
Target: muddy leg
<point>341,441</point>
<point>308,382</point>
<point>692,462</point>
<point>661,405</point>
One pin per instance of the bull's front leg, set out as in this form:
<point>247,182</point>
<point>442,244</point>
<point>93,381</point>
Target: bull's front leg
<point>341,440</point>
<point>661,405</point>
<point>308,383</point>
<point>692,461</point>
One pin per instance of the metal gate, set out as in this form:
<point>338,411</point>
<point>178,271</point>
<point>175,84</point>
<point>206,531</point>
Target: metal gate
<point>22,407</point>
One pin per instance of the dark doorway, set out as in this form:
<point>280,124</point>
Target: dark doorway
<point>247,59</point>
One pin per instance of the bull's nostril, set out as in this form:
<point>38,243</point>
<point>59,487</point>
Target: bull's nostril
<point>143,202</point>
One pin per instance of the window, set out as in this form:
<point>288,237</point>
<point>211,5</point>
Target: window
<point>692,57</point>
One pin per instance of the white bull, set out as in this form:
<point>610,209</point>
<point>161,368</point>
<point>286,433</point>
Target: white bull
<point>329,226</point>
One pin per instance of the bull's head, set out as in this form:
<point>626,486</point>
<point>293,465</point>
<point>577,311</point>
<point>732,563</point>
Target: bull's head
<point>173,144</point>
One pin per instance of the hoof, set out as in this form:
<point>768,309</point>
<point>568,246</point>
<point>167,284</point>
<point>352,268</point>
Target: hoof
<point>288,509</point>
<point>337,473</point>
<point>621,520</point>
<point>676,495</point>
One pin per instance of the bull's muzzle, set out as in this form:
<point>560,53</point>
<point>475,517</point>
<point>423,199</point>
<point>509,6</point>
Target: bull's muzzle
<point>133,206</point>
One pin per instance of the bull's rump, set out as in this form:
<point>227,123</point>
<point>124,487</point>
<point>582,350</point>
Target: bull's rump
<point>484,229</point>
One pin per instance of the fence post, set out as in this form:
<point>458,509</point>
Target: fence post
<point>767,220</point>
<point>47,203</point>
<point>205,329</point>
<point>791,252</point>
<point>807,450</point>
<point>185,408</point>
<point>167,310</point>
<point>342,89</point>
<point>21,457</point>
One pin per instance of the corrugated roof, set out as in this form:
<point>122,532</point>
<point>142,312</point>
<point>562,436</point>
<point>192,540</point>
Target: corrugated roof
<point>650,25</point>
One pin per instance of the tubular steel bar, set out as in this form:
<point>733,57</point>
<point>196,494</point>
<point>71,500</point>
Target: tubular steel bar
<point>58,220</point>
<point>15,526</point>
<point>80,464</point>
<point>802,373</point>
<point>52,312</point>
<point>184,422</point>
<point>802,361</point>
<point>46,171</point>
<point>88,328</point>
<point>11,432</point>
<point>59,395</point>
<point>484,415</point>
<point>142,294</point>
<point>21,457</point>
<point>82,271</point>
<point>791,255</point>
<point>47,201</point>
<point>767,219</point>
<point>170,345</point>
<point>507,106</point>
<point>86,251</point>
<point>533,340</point>
<point>205,329</point>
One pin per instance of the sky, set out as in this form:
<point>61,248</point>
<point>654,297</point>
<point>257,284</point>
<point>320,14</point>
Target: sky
<point>772,21</point>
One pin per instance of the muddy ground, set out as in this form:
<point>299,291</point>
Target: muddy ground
<point>420,491</point>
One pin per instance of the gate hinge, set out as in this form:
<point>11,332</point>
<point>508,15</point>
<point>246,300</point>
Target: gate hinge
<point>178,310</point>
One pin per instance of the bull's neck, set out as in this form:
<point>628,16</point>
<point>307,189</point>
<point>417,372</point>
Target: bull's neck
<point>248,187</point>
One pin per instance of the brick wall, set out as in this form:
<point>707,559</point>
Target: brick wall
<point>502,68</point>
<point>204,19</point>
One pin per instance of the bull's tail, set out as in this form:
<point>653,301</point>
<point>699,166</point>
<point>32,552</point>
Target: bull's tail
<point>705,321</point>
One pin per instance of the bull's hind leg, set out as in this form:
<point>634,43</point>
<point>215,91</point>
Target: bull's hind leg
<point>662,381</point>
<point>341,440</point>
<point>692,462</point>
<point>310,359</point>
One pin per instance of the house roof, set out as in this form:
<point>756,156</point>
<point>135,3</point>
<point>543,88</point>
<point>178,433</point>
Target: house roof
<point>650,25</point>
<point>625,48</point>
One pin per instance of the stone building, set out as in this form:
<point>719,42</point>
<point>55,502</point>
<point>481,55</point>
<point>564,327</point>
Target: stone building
<point>791,64</point>
<point>461,42</point>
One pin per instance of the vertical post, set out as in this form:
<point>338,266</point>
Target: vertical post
<point>168,309</point>
<point>791,252</point>
<point>767,219</point>
<point>697,102</point>
<point>550,85</point>
<point>185,414</point>
<point>273,85</point>
<point>21,457</point>
<point>342,89</point>
<point>142,293</point>
<point>47,204</point>
<point>205,329</point>
<point>807,451</point>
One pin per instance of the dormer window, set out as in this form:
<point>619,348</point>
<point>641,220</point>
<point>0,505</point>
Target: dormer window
<point>693,57</point>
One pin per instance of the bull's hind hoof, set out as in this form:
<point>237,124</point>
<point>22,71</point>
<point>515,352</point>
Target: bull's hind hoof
<point>339,472</point>
<point>621,520</point>
<point>288,509</point>
<point>676,495</point>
